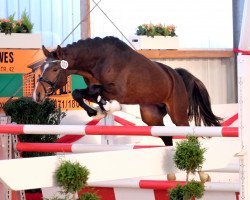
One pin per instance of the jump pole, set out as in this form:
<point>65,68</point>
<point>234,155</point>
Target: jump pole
<point>163,185</point>
<point>120,130</point>
<point>75,147</point>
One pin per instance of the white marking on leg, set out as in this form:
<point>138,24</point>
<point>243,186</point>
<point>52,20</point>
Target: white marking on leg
<point>115,106</point>
<point>99,98</point>
<point>107,106</point>
<point>112,106</point>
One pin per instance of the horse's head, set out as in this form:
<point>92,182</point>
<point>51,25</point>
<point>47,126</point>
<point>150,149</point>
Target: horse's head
<point>53,74</point>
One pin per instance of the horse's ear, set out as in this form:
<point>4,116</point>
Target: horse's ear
<point>45,51</point>
<point>59,52</point>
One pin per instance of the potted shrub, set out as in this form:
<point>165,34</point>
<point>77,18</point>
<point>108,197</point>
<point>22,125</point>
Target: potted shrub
<point>25,111</point>
<point>149,36</point>
<point>17,33</point>
<point>72,177</point>
<point>189,156</point>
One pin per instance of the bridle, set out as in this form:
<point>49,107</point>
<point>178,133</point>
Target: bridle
<point>52,85</point>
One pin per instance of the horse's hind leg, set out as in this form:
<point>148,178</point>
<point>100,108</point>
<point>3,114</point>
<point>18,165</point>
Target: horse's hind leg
<point>153,115</point>
<point>177,109</point>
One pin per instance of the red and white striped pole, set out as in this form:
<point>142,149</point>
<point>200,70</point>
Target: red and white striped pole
<point>75,147</point>
<point>163,185</point>
<point>120,130</point>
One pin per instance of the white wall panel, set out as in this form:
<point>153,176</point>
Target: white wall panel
<point>67,20</point>
<point>23,5</point>
<point>57,27</point>
<point>12,7</point>
<point>76,19</point>
<point>46,19</point>
<point>35,15</point>
<point>3,8</point>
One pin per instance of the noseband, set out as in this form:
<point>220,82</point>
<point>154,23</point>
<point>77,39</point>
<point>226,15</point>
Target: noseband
<point>52,85</point>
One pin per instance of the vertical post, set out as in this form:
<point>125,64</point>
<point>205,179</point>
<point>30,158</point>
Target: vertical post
<point>108,121</point>
<point>244,125</point>
<point>85,15</point>
<point>4,152</point>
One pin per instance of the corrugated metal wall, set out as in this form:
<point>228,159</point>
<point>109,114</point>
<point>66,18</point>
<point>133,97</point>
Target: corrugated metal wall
<point>218,75</point>
<point>53,18</point>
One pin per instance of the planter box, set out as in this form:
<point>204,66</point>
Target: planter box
<point>156,42</point>
<point>20,41</point>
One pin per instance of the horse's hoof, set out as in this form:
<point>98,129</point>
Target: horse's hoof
<point>92,113</point>
<point>100,113</point>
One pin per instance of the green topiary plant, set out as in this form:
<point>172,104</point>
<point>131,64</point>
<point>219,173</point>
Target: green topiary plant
<point>189,155</point>
<point>89,196</point>
<point>193,189</point>
<point>71,177</point>
<point>176,193</point>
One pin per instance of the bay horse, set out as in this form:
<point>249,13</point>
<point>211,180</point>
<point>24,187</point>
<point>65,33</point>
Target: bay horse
<point>114,71</point>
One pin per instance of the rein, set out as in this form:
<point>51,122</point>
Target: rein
<point>52,85</point>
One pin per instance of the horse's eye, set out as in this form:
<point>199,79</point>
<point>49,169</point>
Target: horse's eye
<point>55,70</point>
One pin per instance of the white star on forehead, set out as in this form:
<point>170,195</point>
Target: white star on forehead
<point>45,67</point>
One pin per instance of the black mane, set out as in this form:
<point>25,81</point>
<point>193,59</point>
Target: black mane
<point>89,42</point>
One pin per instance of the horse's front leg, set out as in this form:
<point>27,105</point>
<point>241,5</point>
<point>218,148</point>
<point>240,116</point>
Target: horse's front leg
<point>95,92</point>
<point>107,106</point>
<point>80,94</point>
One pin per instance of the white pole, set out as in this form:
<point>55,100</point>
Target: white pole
<point>244,125</point>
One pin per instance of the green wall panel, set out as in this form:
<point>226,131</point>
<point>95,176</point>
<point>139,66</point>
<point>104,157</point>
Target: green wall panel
<point>78,82</point>
<point>10,84</point>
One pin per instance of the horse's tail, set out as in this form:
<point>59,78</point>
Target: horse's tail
<point>199,101</point>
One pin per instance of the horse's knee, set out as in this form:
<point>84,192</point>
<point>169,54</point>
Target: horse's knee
<point>95,90</point>
<point>77,95</point>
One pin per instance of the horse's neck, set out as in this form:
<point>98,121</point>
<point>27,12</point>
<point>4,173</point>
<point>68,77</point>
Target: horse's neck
<point>87,58</point>
<point>85,62</point>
